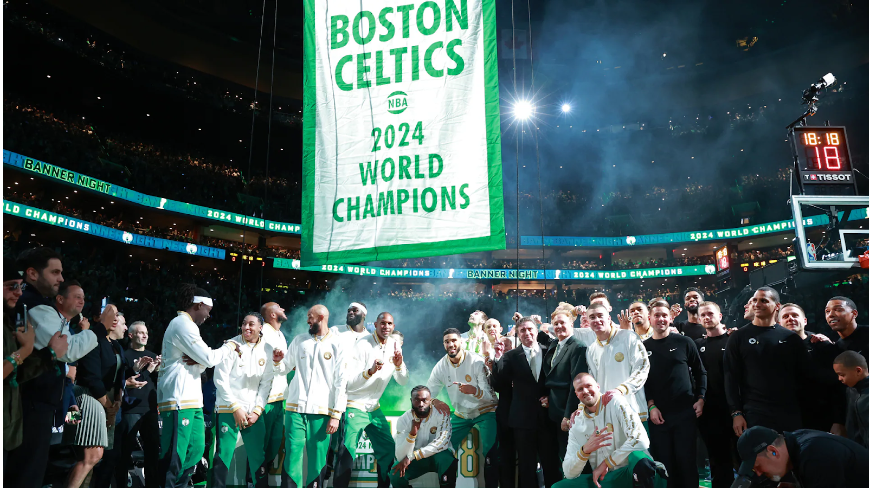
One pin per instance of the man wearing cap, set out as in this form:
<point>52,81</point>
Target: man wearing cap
<point>815,459</point>
<point>179,390</point>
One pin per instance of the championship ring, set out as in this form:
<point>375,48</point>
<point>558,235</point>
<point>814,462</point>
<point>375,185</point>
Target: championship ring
<point>433,430</point>
<point>327,355</point>
<point>620,357</point>
<point>467,377</point>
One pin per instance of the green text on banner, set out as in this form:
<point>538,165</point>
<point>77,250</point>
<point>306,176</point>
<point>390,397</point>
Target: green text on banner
<point>402,144</point>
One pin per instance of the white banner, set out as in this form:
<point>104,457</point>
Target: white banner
<point>402,145</point>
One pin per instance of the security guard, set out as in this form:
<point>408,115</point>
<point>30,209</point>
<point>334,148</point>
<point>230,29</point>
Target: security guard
<point>816,459</point>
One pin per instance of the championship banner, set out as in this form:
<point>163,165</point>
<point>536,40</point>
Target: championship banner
<point>402,144</point>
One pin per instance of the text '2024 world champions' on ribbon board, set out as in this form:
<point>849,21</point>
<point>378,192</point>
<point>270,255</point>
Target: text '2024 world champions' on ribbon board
<point>402,153</point>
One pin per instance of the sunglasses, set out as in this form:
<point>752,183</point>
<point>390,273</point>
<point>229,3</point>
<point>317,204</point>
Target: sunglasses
<point>17,286</point>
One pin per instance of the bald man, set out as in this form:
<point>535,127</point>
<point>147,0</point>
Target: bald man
<point>316,397</point>
<point>272,416</point>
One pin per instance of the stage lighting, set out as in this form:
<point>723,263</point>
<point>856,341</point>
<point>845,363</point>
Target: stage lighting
<point>565,108</point>
<point>523,110</point>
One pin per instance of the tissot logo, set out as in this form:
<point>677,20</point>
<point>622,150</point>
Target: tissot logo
<point>396,102</point>
<point>834,177</point>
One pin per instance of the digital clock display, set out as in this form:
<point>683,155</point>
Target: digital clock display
<point>822,148</point>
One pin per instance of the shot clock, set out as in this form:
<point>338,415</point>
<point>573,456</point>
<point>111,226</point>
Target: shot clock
<point>824,162</point>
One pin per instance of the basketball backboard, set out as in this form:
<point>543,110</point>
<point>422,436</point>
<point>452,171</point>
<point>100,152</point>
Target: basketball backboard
<point>832,231</point>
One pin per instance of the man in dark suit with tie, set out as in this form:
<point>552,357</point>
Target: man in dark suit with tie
<point>523,368</point>
<point>563,361</point>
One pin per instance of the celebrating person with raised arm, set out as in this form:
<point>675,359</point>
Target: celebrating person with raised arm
<point>608,445</point>
<point>243,386</point>
<point>616,358</point>
<point>423,443</point>
<point>179,389</point>
<point>316,396</point>
<point>465,378</point>
<point>378,358</point>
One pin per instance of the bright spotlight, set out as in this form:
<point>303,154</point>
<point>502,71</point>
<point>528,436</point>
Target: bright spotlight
<point>565,108</point>
<point>523,109</point>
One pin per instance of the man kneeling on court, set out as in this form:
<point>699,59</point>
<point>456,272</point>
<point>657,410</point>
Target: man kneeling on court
<point>422,443</point>
<point>607,445</point>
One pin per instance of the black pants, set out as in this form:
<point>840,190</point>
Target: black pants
<point>532,444</point>
<point>716,429</point>
<point>783,419</point>
<point>674,443</point>
<point>104,471</point>
<point>506,456</point>
<point>125,443</point>
<point>26,465</point>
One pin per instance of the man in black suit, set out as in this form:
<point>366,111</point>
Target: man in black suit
<point>523,368</point>
<point>563,361</point>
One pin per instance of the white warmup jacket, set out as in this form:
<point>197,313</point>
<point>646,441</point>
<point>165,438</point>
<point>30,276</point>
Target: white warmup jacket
<point>319,386</point>
<point>179,386</point>
<point>244,382</point>
<point>619,418</point>
<point>621,363</point>
<point>364,391</point>
<point>433,437</point>
<point>274,339</point>
<point>470,370</point>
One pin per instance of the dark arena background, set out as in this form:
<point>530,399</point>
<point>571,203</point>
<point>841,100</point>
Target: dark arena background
<point>645,151</point>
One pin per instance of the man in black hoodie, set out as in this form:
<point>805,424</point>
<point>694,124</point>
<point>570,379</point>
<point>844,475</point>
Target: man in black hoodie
<point>43,273</point>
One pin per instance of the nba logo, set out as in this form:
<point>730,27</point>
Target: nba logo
<point>810,251</point>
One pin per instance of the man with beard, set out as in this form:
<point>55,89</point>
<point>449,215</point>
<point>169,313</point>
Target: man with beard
<point>608,444</point>
<point>714,424</point>
<point>377,358</point>
<point>423,443</point>
<point>691,327</point>
<point>475,338</point>
<point>562,362</point>
<point>466,380</point>
<point>18,346</point>
<point>674,400</point>
<point>179,391</point>
<point>816,459</point>
<point>841,314</point>
<point>316,397</point>
<point>822,409</point>
<point>272,416</point>
<point>616,358</point>
<point>243,385</point>
<point>767,399</point>
<point>42,396</point>
<point>355,331</point>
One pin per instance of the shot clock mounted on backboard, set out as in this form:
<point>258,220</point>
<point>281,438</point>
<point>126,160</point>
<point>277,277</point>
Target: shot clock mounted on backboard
<point>826,184</point>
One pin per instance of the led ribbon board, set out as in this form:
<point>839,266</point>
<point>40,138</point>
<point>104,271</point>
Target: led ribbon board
<point>501,274</point>
<point>50,171</point>
<point>402,144</point>
<point>694,236</point>
<point>83,226</point>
